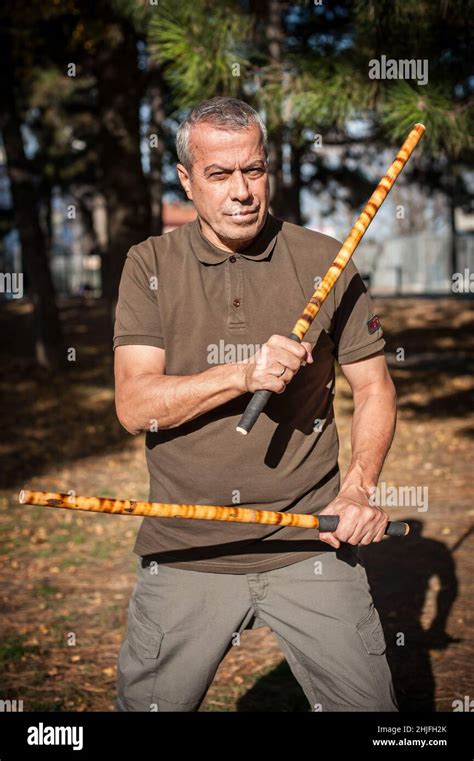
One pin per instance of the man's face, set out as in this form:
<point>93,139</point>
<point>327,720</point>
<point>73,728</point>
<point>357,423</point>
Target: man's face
<point>228,184</point>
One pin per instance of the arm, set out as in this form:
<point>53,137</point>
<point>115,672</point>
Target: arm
<point>373,427</point>
<point>144,393</point>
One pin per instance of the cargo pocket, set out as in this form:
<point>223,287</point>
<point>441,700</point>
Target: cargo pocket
<point>138,662</point>
<point>144,637</point>
<point>371,633</point>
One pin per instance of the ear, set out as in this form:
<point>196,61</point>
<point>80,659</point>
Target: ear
<point>185,180</point>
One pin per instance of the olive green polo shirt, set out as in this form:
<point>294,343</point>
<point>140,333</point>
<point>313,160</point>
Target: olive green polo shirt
<point>205,306</point>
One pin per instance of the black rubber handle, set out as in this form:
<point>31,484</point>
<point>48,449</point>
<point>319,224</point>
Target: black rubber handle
<point>394,528</point>
<point>256,404</point>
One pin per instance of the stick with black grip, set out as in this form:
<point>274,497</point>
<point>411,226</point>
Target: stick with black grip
<point>261,397</point>
<point>192,512</point>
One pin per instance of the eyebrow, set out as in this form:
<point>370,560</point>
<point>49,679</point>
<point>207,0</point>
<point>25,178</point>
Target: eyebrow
<point>226,169</point>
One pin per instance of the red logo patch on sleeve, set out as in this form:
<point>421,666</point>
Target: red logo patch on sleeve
<point>373,324</point>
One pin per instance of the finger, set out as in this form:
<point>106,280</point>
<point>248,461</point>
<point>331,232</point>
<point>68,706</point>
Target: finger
<point>309,357</point>
<point>269,383</point>
<point>289,358</point>
<point>278,367</point>
<point>380,533</point>
<point>376,532</point>
<point>362,535</point>
<point>300,357</point>
<point>329,538</point>
<point>270,360</point>
<point>369,534</point>
<point>347,530</point>
<point>294,347</point>
<point>364,528</point>
<point>281,371</point>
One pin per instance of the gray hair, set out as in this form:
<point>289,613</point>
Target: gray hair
<point>222,112</point>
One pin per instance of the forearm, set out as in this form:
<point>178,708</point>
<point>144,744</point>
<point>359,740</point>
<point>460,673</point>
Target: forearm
<point>373,428</point>
<point>166,401</point>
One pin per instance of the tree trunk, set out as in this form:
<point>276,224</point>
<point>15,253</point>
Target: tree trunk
<point>48,342</point>
<point>274,40</point>
<point>85,200</point>
<point>293,193</point>
<point>124,185</point>
<point>157,148</point>
<point>275,168</point>
<point>453,253</point>
<point>45,196</point>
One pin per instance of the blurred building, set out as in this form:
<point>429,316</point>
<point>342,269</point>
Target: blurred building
<point>416,263</point>
<point>76,254</point>
<point>177,214</point>
<point>76,247</point>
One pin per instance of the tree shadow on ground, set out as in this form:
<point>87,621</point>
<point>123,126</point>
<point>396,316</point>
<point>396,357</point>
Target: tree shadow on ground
<point>50,419</point>
<point>437,362</point>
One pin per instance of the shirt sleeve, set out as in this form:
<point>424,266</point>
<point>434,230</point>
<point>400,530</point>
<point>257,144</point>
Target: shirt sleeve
<point>137,315</point>
<point>356,328</point>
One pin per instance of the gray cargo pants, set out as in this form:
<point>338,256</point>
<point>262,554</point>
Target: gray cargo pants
<point>181,624</point>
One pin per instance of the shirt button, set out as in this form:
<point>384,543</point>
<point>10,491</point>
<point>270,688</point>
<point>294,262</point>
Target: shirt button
<point>232,259</point>
<point>236,302</point>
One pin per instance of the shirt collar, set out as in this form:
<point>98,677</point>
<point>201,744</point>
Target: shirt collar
<point>261,247</point>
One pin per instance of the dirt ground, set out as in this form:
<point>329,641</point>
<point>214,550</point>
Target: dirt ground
<point>65,577</point>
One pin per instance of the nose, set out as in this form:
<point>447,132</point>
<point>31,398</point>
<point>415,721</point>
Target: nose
<point>239,189</point>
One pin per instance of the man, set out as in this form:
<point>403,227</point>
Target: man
<point>201,323</point>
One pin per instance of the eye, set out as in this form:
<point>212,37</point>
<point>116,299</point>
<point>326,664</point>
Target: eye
<point>256,171</point>
<point>218,175</point>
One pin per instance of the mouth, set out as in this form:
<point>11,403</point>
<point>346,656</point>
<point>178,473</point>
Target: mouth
<point>244,214</point>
